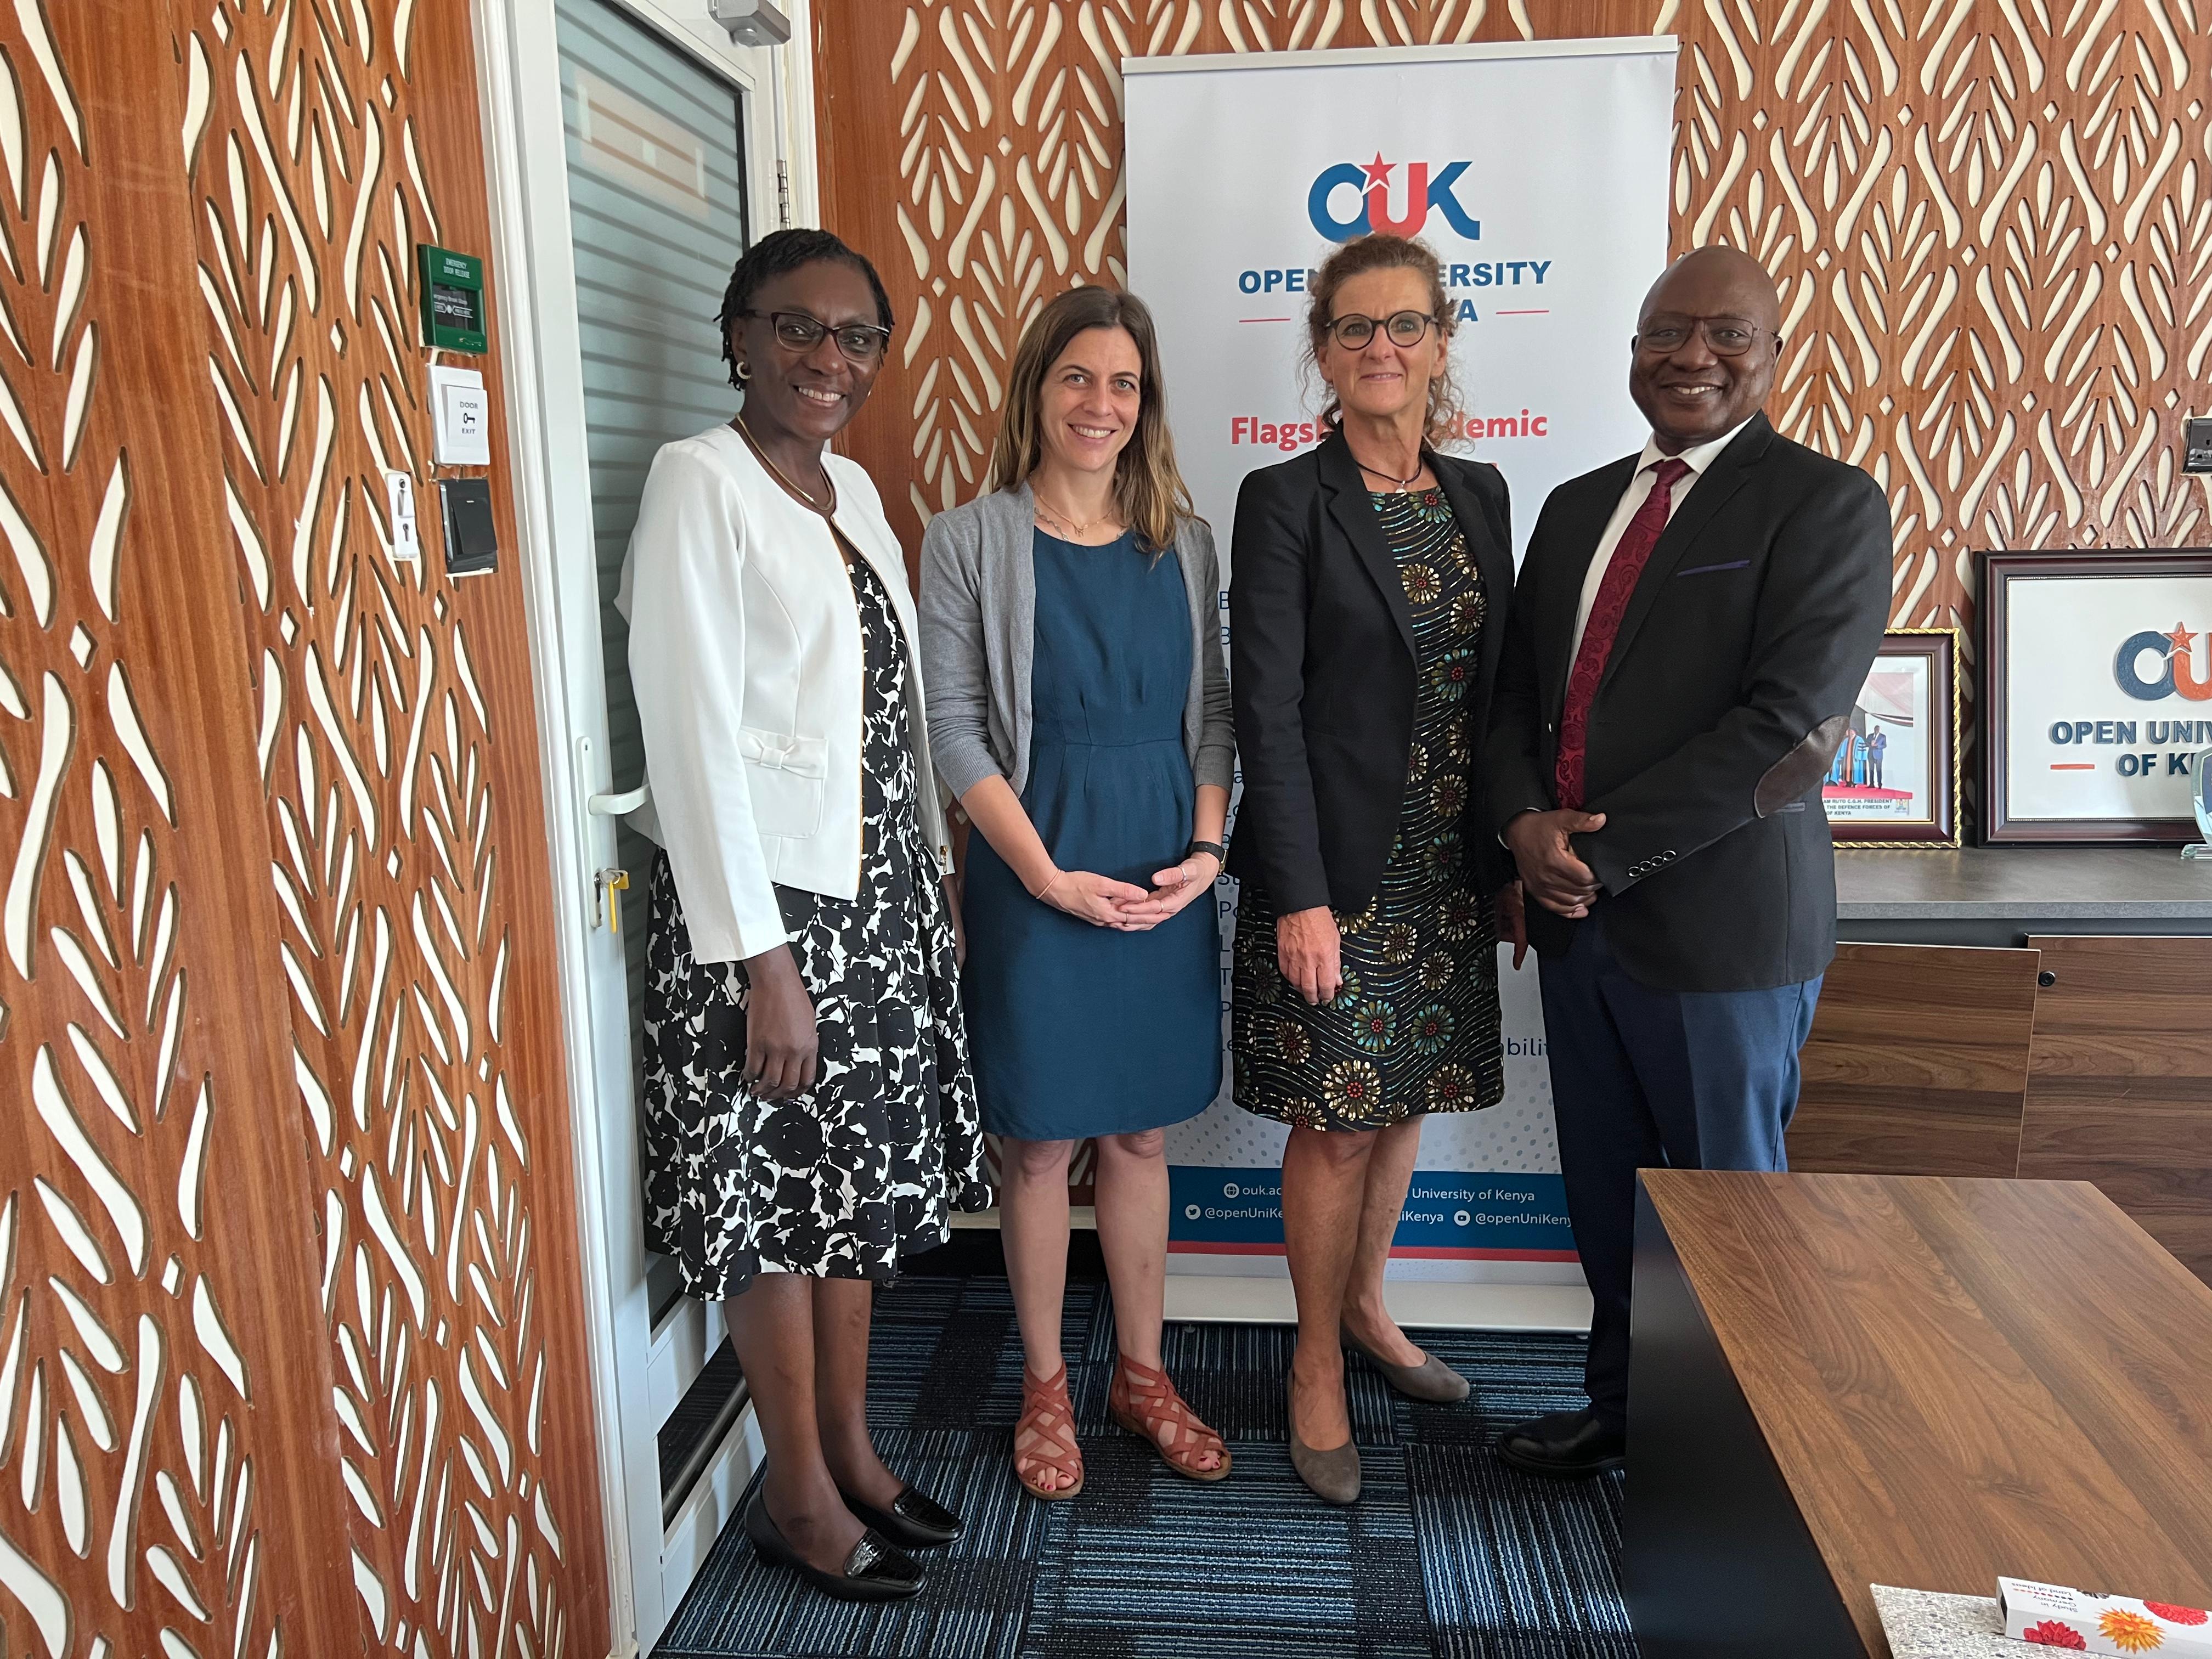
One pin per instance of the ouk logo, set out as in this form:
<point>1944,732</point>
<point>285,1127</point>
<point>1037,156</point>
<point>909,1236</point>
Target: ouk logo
<point>1420,190</point>
<point>2176,673</point>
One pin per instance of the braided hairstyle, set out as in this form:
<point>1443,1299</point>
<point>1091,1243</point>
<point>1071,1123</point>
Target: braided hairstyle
<point>777,255</point>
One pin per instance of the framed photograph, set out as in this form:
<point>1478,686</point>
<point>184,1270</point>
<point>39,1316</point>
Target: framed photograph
<point>1894,782</point>
<point>2096,693</point>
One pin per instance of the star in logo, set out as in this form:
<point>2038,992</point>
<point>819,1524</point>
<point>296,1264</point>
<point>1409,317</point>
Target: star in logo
<point>1378,172</point>
<point>2180,649</point>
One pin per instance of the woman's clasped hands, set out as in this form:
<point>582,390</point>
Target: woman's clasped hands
<point>1124,905</point>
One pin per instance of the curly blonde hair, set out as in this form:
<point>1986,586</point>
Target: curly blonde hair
<point>1384,251</point>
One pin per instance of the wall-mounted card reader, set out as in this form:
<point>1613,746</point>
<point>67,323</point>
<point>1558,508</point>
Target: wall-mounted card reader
<point>471,538</point>
<point>460,417</point>
<point>2197,444</point>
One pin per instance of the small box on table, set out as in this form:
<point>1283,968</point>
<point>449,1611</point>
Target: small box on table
<point>2049,1615</point>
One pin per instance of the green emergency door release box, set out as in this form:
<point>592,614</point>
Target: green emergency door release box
<point>452,298</point>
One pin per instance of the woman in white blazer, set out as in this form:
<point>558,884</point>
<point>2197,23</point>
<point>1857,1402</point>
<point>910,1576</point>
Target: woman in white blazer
<point>810,1116</point>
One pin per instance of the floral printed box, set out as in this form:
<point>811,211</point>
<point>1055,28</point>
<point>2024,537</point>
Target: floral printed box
<point>2049,1616</point>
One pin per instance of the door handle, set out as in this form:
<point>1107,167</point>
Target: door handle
<point>614,805</point>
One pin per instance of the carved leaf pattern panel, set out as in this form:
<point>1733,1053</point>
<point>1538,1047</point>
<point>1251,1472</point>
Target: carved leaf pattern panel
<point>161,1418</point>
<point>1991,221</point>
<point>401,794</point>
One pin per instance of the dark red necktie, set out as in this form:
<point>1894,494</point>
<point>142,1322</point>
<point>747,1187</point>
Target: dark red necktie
<point>1630,555</point>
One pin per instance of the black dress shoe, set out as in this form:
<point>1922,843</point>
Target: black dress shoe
<point>916,1520</point>
<point>1565,1446</point>
<point>874,1572</point>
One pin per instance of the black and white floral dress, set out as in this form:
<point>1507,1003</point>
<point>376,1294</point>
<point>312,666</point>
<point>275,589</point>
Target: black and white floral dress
<point>870,1165</point>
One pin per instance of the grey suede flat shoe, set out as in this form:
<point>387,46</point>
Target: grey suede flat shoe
<point>1332,1476</point>
<point>1431,1380</point>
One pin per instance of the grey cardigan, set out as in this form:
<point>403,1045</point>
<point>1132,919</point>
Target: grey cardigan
<point>978,614</point>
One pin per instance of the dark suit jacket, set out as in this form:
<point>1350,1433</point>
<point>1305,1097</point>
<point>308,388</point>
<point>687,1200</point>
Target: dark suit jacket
<point>1323,674</point>
<point>1745,646</point>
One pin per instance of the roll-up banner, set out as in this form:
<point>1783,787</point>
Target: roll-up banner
<point>1537,172</point>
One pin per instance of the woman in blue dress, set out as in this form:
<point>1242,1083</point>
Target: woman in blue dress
<point>1078,708</point>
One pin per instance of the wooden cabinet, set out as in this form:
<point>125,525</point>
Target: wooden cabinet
<point>2075,1058</point>
<point>1918,1063</point>
<point>2119,1081</point>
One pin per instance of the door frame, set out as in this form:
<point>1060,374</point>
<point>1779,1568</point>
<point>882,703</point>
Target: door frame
<point>534,288</point>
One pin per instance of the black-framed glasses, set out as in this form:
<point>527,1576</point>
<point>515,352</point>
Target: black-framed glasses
<point>861,343</point>
<point>1726,337</point>
<point>1406,328</point>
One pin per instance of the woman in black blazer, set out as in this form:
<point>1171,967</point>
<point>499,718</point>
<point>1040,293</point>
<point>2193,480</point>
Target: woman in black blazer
<point>1369,579</point>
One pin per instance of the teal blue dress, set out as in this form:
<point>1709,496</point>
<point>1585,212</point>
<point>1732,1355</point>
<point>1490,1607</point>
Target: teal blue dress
<point>1076,1030</point>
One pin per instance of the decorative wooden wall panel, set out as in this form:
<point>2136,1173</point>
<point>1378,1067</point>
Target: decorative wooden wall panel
<point>296,1254</point>
<point>1991,221</point>
<point>164,1419</point>
<point>396,738</point>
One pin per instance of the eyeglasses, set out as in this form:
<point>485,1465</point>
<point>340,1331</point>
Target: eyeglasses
<point>861,343</point>
<point>1729,336</point>
<point>1406,328</point>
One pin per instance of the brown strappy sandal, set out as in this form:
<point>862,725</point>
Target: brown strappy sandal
<point>1143,1402</point>
<point>1044,1438</point>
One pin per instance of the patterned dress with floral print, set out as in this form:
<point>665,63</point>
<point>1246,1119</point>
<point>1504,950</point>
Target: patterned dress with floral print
<point>868,1166</point>
<point>1415,1028</point>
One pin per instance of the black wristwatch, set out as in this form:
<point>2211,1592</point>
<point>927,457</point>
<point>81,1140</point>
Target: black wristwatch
<point>1220,852</point>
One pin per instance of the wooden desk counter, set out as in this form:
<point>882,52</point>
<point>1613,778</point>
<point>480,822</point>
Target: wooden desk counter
<point>1839,1381</point>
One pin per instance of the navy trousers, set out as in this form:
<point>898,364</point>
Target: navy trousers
<point>1645,1078</point>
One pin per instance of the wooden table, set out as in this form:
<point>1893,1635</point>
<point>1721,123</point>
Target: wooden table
<point>1840,1380</point>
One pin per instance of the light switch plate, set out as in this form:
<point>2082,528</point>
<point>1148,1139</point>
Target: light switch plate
<point>400,503</point>
<point>460,412</point>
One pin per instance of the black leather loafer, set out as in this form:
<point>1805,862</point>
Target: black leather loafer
<point>874,1572</point>
<point>1565,1446</point>
<point>916,1520</point>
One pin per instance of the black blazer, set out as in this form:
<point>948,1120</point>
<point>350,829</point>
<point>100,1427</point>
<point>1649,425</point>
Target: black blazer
<point>1745,646</point>
<point>1323,674</point>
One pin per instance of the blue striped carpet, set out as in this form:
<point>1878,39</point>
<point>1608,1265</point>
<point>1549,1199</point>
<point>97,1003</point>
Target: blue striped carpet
<point>1448,1554</point>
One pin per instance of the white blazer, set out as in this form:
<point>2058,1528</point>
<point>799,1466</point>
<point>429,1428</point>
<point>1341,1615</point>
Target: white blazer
<point>745,657</point>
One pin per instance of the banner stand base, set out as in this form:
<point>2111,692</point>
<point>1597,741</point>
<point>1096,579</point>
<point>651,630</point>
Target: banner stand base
<point>1416,1303</point>
<point>1082,1216</point>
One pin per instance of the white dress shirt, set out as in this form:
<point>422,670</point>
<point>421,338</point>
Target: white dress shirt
<point>1697,457</point>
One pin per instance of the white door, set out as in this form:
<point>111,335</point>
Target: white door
<point>635,154</point>
<point>655,150</point>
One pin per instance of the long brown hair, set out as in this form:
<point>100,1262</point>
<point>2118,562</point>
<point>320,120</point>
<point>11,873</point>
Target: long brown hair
<point>1148,491</point>
<point>1384,251</point>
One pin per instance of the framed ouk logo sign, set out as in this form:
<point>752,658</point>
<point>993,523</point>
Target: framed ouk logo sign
<point>2096,695</point>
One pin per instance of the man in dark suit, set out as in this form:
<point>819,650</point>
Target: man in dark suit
<point>1688,634</point>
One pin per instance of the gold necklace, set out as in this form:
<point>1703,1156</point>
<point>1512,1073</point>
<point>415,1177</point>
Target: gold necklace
<point>1077,531</point>
<point>768,461</point>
